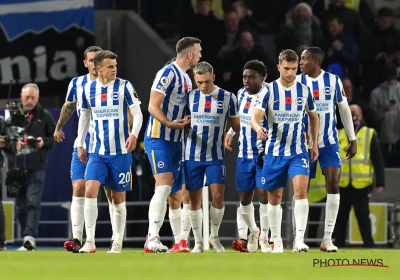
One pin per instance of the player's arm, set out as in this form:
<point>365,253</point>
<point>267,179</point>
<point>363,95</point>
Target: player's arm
<point>259,113</point>
<point>345,116</point>
<point>314,125</point>
<point>133,101</point>
<point>163,86</point>
<point>84,120</point>
<point>344,111</point>
<point>233,114</point>
<point>66,111</point>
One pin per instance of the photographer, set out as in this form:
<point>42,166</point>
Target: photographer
<point>40,126</point>
<point>2,217</point>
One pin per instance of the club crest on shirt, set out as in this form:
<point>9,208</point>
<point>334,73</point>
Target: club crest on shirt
<point>115,96</point>
<point>328,90</point>
<point>220,104</point>
<point>299,101</point>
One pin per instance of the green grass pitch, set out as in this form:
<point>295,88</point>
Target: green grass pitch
<point>56,264</point>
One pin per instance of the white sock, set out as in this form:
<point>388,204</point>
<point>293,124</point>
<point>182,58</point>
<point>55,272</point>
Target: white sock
<point>157,209</point>
<point>331,212</point>
<point>196,219</point>
<point>111,210</point>
<point>216,219</point>
<point>175,222</point>
<point>119,222</point>
<point>301,216</point>
<point>165,207</point>
<point>248,216</point>
<point>274,214</point>
<point>241,224</point>
<point>185,222</point>
<point>264,221</point>
<point>91,213</point>
<point>293,218</point>
<point>77,217</point>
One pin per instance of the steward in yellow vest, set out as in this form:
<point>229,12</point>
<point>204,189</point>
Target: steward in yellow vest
<point>357,179</point>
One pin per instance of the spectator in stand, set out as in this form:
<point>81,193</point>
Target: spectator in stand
<point>353,24</point>
<point>396,61</point>
<point>341,48</point>
<point>302,28</point>
<point>353,98</point>
<point>385,101</point>
<point>245,51</point>
<point>380,45</point>
<point>361,6</point>
<point>205,26</point>
<point>245,14</point>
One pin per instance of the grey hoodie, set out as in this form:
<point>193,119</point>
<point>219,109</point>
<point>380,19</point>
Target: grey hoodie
<point>390,120</point>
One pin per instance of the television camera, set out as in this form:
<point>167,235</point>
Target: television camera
<point>15,133</point>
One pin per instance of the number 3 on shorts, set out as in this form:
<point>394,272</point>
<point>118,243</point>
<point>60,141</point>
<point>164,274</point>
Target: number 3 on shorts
<point>305,163</point>
<point>124,178</point>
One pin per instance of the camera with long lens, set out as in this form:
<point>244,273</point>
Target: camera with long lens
<point>16,132</point>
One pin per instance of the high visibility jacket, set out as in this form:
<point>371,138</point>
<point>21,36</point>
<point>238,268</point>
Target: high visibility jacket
<point>360,167</point>
<point>317,190</point>
<point>216,8</point>
<point>351,4</point>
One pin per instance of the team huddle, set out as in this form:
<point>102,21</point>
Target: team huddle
<point>283,128</point>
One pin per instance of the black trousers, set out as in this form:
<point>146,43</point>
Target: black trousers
<point>314,215</point>
<point>359,199</point>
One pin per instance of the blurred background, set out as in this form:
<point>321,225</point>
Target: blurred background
<point>43,42</point>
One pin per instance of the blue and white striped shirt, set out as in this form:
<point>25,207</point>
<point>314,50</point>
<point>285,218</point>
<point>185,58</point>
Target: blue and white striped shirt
<point>285,109</point>
<point>175,84</point>
<point>109,116</point>
<point>209,113</point>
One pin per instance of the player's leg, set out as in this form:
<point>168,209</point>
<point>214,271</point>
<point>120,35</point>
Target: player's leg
<point>194,172</point>
<point>245,185</point>
<point>108,193</point>
<point>96,174</point>
<point>274,178</point>
<point>119,181</point>
<point>160,158</point>
<point>78,203</point>
<point>299,173</point>
<point>215,178</point>
<point>185,214</point>
<point>331,165</point>
<point>240,244</point>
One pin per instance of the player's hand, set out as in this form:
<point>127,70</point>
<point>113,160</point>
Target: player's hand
<point>39,143</point>
<point>59,135</point>
<point>179,124</point>
<point>228,142</point>
<point>262,134</point>
<point>82,155</point>
<point>130,143</point>
<point>2,142</point>
<point>314,153</point>
<point>351,149</point>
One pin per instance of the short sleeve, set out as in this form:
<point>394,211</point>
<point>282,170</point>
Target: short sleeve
<point>233,107</point>
<point>131,95</point>
<point>86,89</point>
<point>71,92</point>
<point>339,91</point>
<point>164,81</point>
<point>310,106</point>
<point>262,99</point>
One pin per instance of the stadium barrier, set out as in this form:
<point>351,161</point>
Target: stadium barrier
<point>385,220</point>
